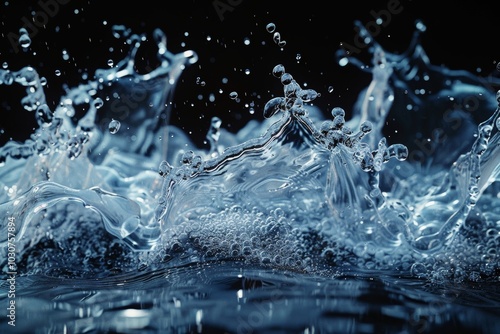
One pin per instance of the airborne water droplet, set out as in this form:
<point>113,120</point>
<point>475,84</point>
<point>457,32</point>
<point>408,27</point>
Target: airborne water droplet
<point>277,37</point>
<point>114,126</point>
<point>270,27</point>
<point>278,70</point>
<point>24,41</point>
<point>98,103</point>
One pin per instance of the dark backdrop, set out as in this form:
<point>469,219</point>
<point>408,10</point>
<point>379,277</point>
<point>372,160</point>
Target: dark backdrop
<point>459,36</point>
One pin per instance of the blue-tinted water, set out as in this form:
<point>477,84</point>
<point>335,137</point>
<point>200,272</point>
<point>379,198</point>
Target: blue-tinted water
<point>300,223</point>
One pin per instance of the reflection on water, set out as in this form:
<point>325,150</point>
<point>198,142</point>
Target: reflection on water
<point>300,223</point>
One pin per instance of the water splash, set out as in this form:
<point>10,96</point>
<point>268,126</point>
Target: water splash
<point>298,190</point>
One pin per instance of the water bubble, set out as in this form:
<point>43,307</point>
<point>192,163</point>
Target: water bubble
<point>5,65</point>
<point>233,95</point>
<point>277,37</point>
<point>338,111</point>
<point>270,27</point>
<point>343,61</point>
<point>114,126</point>
<point>57,73</point>
<point>246,41</point>
<point>286,78</point>
<point>98,103</point>
<point>187,157</point>
<point>111,63</point>
<point>281,43</point>
<point>420,26</point>
<point>330,89</point>
<point>273,106</point>
<point>278,70</point>
<point>307,95</point>
<point>164,168</point>
<point>65,55</point>
<point>298,56</point>
<point>366,126</point>
<point>24,38</point>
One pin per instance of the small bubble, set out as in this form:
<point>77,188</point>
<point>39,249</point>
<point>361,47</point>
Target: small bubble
<point>114,126</point>
<point>233,95</point>
<point>65,55</point>
<point>277,37</point>
<point>278,70</point>
<point>498,66</point>
<point>98,103</point>
<point>111,63</point>
<point>5,65</point>
<point>343,61</point>
<point>298,57</point>
<point>246,41</point>
<point>247,71</point>
<point>270,27</point>
<point>57,73</point>
<point>24,41</point>
<point>330,89</point>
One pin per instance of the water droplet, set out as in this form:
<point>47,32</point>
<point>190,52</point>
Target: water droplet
<point>343,61</point>
<point>98,103</point>
<point>420,26</point>
<point>114,126</point>
<point>233,95</point>
<point>273,106</point>
<point>277,37</point>
<point>111,63</point>
<point>330,89</point>
<point>307,95</point>
<point>286,78</point>
<point>57,73</point>
<point>270,27</point>
<point>24,41</point>
<point>65,55</point>
<point>246,41</point>
<point>165,168</point>
<point>366,126</point>
<point>298,57</point>
<point>338,111</point>
<point>278,70</point>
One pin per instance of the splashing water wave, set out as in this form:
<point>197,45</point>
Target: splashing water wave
<point>94,197</point>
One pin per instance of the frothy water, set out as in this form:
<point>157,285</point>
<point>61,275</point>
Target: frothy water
<point>125,224</point>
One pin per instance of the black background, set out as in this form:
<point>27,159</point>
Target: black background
<point>458,36</point>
